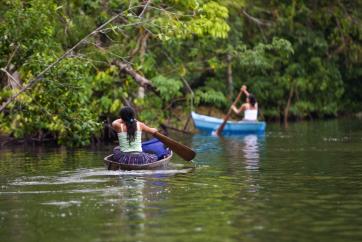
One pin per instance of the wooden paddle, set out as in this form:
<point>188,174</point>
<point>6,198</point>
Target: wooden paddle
<point>221,128</point>
<point>182,150</point>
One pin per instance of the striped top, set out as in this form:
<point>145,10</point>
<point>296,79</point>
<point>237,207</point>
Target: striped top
<point>135,146</point>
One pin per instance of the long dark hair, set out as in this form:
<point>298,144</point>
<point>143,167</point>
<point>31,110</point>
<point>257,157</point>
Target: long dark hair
<point>128,116</point>
<point>252,100</point>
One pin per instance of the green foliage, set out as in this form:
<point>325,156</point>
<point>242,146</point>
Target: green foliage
<point>210,97</point>
<point>206,19</point>
<point>314,71</point>
<point>107,94</point>
<point>309,49</point>
<point>211,21</point>
<point>169,88</point>
<point>58,105</point>
<point>263,56</point>
<point>151,114</point>
<point>27,29</point>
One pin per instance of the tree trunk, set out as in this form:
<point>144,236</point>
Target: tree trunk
<point>187,123</point>
<point>230,76</point>
<point>287,107</point>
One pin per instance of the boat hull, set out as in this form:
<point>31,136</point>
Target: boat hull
<point>113,165</point>
<point>210,124</point>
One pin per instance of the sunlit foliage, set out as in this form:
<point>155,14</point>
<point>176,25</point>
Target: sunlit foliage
<point>303,53</point>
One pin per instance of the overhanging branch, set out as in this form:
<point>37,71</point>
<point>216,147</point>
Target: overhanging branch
<point>69,51</point>
<point>140,80</point>
<point>256,20</point>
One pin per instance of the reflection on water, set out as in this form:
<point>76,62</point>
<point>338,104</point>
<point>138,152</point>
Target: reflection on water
<point>301,184</point>
<point>251,152</point>
<point>244,148</point>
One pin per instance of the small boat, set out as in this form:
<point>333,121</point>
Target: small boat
<point>111,164</point>
<point>153,146</point>
<point>210,124</point>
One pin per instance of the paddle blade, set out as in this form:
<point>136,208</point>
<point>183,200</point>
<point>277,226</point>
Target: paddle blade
<point>182,150</point>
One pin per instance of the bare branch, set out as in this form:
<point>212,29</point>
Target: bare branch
<point>12,56</point>
<point>141,80</point>
<point>256,20</point>
<point>144,9</point>
<point>11,77</point>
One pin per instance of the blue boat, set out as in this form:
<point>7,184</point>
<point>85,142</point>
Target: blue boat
<point>210,124</point>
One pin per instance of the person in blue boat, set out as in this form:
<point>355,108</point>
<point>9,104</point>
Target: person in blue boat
<point>129,132</point>
<point>250,107</point>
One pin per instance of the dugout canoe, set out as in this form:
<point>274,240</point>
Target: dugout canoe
<point>210,124</point>
<point>111,164</point>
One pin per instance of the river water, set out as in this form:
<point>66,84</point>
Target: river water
<point>303,183</point>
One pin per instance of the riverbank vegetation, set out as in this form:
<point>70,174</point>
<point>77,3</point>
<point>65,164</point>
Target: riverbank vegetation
<point>302,59</point>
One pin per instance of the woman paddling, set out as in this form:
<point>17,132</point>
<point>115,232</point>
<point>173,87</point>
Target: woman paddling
<point>250,108</point>
<point>129,132</point>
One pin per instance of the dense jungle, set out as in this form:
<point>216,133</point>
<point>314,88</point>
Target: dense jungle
<point>68,66</point>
